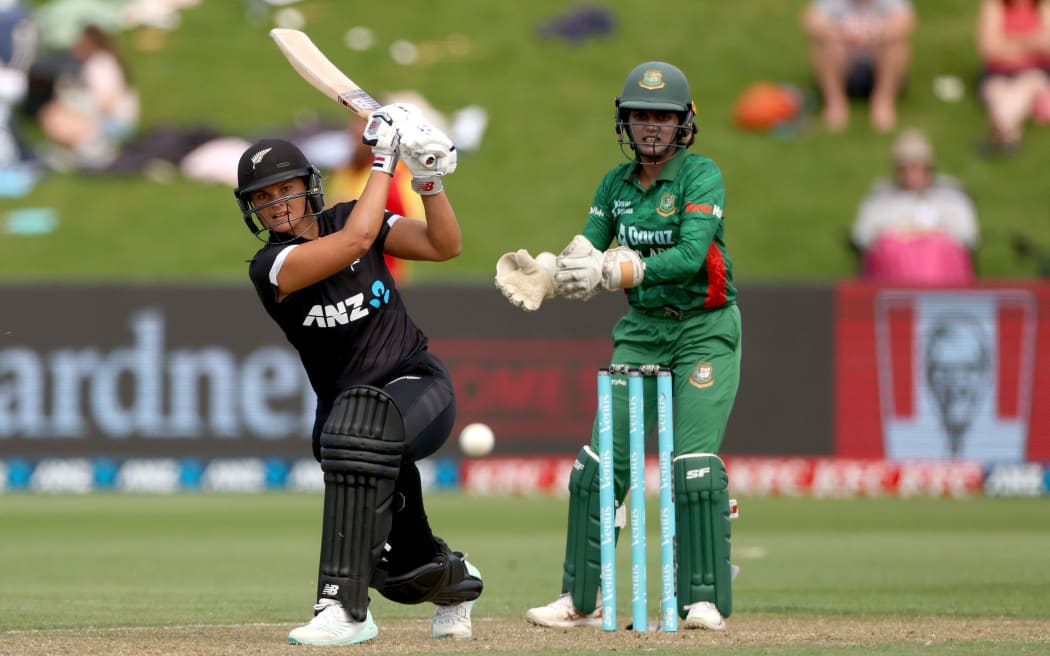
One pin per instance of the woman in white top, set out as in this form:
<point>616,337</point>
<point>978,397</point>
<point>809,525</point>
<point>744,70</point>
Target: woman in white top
<point>99,109</point>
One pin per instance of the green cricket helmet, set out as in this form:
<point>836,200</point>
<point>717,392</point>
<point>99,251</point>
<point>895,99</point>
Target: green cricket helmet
<point>659,86</point>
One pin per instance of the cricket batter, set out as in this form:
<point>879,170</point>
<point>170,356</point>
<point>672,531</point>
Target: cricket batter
<point>383,401</point>
<point>665,210</point>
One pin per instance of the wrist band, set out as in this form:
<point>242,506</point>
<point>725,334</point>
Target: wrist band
<point>385,163</point>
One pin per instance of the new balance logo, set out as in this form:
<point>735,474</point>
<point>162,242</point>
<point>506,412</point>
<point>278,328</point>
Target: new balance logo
<point>330,590</point>
<point>697,473</point>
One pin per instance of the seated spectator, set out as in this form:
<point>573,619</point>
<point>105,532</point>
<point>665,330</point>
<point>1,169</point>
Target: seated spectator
<point>346,182</point>
<point>96,111</point>
<point>920,227</point>
<point>17,49</point>
<point>859,49</point>
<point>1013,39</point>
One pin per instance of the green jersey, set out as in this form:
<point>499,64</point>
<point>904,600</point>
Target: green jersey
<point>676,225</point>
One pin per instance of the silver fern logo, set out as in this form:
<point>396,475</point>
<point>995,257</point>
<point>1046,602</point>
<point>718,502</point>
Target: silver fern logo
<point>258,157</point>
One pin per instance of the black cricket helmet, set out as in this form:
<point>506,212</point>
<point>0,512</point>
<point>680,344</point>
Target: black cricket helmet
<point>657,85</point>
<point>274,160</point>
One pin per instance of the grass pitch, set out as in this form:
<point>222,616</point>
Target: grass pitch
<point>231,574</point>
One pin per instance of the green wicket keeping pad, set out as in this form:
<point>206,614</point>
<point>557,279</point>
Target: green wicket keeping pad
<point>702,523</point>
<point>583,562</point>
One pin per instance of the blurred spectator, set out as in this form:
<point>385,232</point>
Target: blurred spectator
<point>346,182</point>
<point>920,227</point>
<point>1013,39</point>
<point>17,49</point>
<point>96,111</point>
<point>860,49</point>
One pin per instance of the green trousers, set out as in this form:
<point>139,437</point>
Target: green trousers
<point>703,350</point>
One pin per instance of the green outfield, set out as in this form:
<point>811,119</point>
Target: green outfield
<point>231,574</point>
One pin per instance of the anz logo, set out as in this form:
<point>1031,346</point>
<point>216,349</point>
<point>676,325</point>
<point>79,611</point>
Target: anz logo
<point>351,309</point>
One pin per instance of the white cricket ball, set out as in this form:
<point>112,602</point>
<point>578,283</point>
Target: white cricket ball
<point>476,440</point>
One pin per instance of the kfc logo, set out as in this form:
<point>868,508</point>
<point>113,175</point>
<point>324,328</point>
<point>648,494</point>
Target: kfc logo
<point>955,373</point>
<point>958,375</point>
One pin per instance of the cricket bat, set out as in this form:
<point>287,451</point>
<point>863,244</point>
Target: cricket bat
<point>312,65</point>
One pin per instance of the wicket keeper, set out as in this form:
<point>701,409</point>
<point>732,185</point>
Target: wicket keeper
<point>665,209</point>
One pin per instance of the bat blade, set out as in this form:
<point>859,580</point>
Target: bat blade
<point>312,65</point>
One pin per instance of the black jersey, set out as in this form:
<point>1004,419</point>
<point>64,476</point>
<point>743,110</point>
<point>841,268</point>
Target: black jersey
<point>351,328</point>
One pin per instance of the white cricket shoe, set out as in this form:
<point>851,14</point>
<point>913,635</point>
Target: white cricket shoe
<point>704,615</point>
<point>562,614</point>
<point>454,621</point>
<point>331,626</point>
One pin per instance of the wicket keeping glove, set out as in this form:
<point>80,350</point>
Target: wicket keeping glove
<point>622,268</point>
<point>579,270</point>
<point>526,281</point>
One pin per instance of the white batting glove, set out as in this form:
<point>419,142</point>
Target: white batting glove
<point>579,270</point>
<point>382,135</point>
<point>402,111</point>
<point>428,153</point>
<point>425,149</point>
<point>622,268</point>
<point>385,136</point>
<point>526,281</point>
